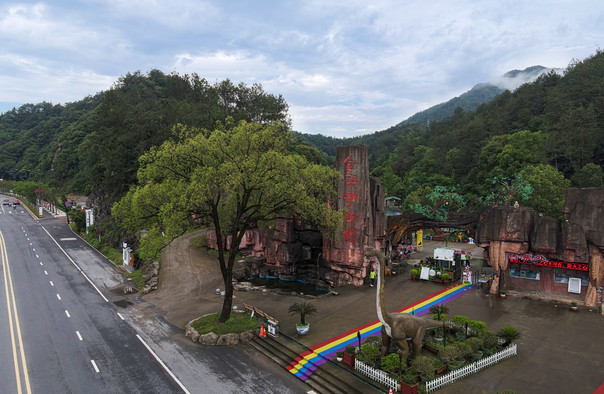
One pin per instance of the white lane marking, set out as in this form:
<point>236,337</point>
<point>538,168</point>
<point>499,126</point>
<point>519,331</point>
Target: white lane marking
<point>73,262</point>
<point>45,273</point>
<point>30,244</point>
<point>95,367</point>
<point>79,336</point>
<point>52,284</point>
<point>58,296</point>
<point>67,239</point>
<point>163,365</point>
<point>34,249</point>
<point>27,238</point>
<point>41,263</point>
<point>120,315</point>
<point>37,256</point>
<point>67,313</point>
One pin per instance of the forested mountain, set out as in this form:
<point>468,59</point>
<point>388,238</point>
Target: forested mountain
<point>545,133</point>
<point>382,143</point>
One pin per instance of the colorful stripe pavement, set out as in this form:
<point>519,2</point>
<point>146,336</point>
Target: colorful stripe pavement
<point>306,363</point>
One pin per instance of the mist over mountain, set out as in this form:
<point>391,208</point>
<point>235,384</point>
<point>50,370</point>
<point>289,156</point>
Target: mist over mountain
<point>480,94</point>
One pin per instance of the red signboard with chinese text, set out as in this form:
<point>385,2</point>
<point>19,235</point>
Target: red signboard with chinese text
<point>544,262</point>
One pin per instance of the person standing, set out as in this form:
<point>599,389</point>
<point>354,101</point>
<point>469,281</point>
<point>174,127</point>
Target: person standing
<point>372,277</point>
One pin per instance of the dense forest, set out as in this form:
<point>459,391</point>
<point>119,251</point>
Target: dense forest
<point>528,145</point>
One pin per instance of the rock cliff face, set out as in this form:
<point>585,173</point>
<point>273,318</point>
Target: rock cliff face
<point>362,199</point>
<point>521,230</point>
<point>291,248</point>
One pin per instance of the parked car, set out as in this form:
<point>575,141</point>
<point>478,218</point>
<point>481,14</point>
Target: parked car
<point>6,201</point>
<point>16,202</point>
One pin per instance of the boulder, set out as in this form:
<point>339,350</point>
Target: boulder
<point>209,339</point>
<point>230,339</point>
<point>246,336</point>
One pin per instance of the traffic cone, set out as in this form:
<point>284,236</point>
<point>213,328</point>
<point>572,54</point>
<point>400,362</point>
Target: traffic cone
<point>262,332</point>
<point>390,390</point>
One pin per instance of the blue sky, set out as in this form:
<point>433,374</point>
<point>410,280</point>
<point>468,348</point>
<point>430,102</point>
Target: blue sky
<point>346,68</point>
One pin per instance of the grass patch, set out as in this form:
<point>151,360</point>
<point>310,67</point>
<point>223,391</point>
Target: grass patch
<point>138,278</point>
<point>113,254</point>
<point>237,323</point>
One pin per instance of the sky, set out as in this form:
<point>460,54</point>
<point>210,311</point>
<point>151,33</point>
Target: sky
<point>346,68</point>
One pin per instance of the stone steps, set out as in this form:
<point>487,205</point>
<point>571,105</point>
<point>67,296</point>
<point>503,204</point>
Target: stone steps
<point>329,378</point>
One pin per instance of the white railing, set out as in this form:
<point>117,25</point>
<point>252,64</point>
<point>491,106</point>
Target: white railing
<point>470,369</point>
<point>376,374</point>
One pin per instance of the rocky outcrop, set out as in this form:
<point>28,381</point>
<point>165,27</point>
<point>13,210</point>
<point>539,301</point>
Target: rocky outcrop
<point>579,238</point>
<point>291,249</point>
<point>151,275</point>
<point>361,197</point>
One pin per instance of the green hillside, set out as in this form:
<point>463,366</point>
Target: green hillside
<point>546,135</point>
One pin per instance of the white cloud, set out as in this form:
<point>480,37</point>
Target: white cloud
<point>344,67</point>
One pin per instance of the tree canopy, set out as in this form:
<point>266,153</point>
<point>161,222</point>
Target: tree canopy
<point>237,176</point>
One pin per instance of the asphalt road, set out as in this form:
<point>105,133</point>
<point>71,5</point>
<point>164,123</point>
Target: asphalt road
<point>79,334</point>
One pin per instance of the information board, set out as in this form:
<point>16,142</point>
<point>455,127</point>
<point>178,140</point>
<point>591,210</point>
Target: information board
<point>574,285</point>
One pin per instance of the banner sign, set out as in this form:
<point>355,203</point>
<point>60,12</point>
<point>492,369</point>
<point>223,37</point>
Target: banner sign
<point>544,262</point>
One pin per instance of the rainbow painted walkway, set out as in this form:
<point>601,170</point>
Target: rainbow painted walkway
<point>306,363</point>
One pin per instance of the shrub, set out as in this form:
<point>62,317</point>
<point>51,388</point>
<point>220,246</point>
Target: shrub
<point>375,341</point>
<point>440,318</point>
<point>509,334</point>
<point>392,363</point>
<point>442,309</point>
<point>368,354</point>
<point>423,366</point>
<point>200,242</point>
<point>489,340</point>
<point>350,349</point>
<point>450,353</point>
<point>445,276</point>
<point>477,326</point>
<point>475,344</point>
<point>339,353</point>
<point>465,348</point>
<point>414,272</point>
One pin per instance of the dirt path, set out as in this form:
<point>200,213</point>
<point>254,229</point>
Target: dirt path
<point>188,280</point>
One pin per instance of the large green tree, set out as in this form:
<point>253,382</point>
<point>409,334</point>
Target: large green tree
<point>238,176</point>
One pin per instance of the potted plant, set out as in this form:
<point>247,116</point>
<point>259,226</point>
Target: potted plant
<point>339,356</point>
<point>452,356</point>
<point>573,305</point>
<point>489,343</point>
<point>502,293</point>
<point>424,367</point>
<point>368,354</point>
<point>414,273</point>
<point>509,334</point>
<point>445,277</point>
<point>303,309</point>
<point>348,355</point>
<point>476,344</point>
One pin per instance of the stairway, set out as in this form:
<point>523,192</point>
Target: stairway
<point>329,378</point>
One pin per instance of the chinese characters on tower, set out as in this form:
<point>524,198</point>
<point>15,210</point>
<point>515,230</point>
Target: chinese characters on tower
<point>350,198</point>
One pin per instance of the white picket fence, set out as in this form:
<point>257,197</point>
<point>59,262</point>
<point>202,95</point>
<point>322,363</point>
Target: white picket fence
<point>470,369</point>
<point>376,374</point>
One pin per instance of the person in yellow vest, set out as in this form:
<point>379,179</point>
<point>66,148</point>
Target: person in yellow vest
<point>372,277</point>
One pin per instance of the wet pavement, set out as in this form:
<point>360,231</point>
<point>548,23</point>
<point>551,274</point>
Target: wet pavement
<point>560,351</point>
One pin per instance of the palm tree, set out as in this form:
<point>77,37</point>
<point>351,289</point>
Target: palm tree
<point>303,309</point>
<point>439,310</point>
<point>509,334</point>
